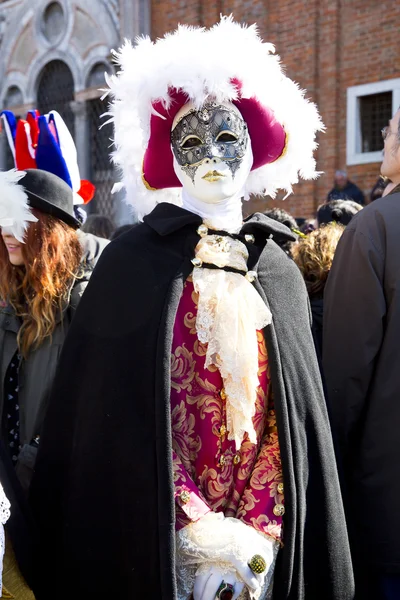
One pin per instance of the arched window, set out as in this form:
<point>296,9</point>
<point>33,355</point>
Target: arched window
<point>55,91</point>
<point>96,76</point>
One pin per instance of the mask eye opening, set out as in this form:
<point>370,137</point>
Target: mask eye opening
<point>191,141</point>
<point>227,137</point>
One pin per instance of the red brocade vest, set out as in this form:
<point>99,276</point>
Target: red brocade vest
<point>209,473</point>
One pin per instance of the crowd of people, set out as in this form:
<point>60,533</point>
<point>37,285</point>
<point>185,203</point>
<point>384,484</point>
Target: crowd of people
<point>197,406</point>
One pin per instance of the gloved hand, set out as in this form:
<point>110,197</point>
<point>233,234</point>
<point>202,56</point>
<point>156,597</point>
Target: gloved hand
<point>227,543</point>
<point>208,581</point>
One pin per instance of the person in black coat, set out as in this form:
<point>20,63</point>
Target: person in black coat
<point>361,360</point>
<point>344,189</point>
<point>187,313</point>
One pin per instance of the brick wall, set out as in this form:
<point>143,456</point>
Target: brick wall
<point>326,46</point>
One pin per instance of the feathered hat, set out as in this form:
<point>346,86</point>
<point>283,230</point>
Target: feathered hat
<point>15,212</point>
<point>228,62</point>
<point>20,191</point>
<point>44,142</point>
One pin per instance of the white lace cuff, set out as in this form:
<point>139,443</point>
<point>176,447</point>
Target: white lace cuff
<point>224,543</point>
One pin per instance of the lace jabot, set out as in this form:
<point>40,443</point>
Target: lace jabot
<point>230,311</point>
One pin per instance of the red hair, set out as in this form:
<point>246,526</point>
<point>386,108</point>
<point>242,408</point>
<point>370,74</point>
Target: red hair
<point>39,289</point>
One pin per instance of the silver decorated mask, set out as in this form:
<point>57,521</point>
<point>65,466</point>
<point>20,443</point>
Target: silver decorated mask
<point>212,132</point>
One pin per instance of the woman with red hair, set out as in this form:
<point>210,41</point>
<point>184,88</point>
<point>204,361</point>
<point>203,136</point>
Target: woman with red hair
<point>42,276</point>
<point>40,285</point>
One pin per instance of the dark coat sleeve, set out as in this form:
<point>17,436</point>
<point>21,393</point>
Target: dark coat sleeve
<point>354,313</point>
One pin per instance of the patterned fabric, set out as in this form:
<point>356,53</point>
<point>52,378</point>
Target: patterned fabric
<point>209,473</point>
<point>11,408</point>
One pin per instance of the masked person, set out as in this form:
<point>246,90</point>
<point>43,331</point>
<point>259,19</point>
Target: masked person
<point>193,456</point>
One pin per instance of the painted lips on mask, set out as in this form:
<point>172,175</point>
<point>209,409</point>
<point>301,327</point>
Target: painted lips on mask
<point>213,132</point>
<point>213,176</point>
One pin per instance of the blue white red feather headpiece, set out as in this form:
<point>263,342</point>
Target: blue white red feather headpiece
<point>44,142</point>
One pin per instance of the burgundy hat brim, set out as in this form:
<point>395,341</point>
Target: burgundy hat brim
<point>267,135</point>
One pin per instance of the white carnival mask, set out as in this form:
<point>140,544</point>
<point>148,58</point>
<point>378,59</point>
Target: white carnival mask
<point>212,151</point>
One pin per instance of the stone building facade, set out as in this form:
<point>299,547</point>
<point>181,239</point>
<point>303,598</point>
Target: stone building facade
<point>344,52</point>
<point>53,56</point>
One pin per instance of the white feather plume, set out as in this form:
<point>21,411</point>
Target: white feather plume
<point>15,212</point>
<point>202,63</point>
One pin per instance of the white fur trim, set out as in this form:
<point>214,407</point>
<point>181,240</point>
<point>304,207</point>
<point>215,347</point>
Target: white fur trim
<point>202,63</point>
<point>15,212</point>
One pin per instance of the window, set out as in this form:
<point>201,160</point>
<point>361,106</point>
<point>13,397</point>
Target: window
<point>53,24</point>
<point>369,108</point>
<point>101,170</point>
<point>56,91</point>
<point>96,76</point>
<point>375,112</point>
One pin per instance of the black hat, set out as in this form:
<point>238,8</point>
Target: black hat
<point>50,194</point>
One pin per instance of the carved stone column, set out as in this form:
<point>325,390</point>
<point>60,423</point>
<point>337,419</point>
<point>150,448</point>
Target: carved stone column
<point>3,149</point>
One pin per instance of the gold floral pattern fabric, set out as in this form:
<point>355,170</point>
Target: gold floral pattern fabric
<point>209,473</point>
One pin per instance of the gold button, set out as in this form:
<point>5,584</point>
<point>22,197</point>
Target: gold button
<point>236,459</point>
<point>197,262</point>
<point>185,497</point>
<point>280,488</point>
<point>279,510</point>
<point>202,230</point>
<point>249,237</point>
<point>251,276</point>
<point>222,461</point>
<point>223,394</point>
<point>222,430</point>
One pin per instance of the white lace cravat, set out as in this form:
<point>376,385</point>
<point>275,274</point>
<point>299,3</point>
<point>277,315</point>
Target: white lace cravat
<point>230,312</point>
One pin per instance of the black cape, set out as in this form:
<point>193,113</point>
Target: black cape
<point>103,489</point>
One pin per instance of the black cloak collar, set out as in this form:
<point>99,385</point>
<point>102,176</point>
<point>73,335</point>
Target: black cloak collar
<point>168,218</point>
